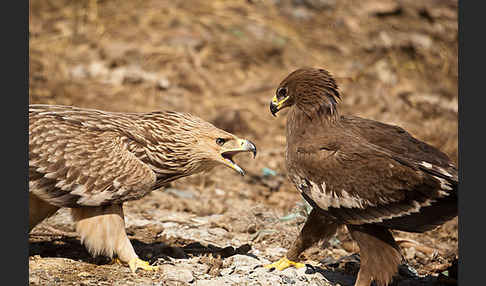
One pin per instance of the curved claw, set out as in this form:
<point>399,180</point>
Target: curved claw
<point>137,263</point>
<point>284,263</point>
<point>116,261</point>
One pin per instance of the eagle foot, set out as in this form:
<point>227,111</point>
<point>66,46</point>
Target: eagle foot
<point>116,261</point>
<point>283,264</point>
<point>137,263</point>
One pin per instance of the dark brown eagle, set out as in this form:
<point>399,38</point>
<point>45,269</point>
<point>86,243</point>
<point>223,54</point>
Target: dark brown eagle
<point>367,175</point>
<point>92,161</point>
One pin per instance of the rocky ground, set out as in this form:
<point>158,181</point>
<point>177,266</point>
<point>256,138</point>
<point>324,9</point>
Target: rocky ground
<point>395,61</point>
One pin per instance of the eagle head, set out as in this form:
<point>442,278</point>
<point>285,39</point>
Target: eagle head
<point>310,89</point>
<point>220,146</point>
<point>186,144</point>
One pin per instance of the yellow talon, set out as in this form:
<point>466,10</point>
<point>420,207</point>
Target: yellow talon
<point>137,263</point>
<point>284,263</point>
<point>116,261</point>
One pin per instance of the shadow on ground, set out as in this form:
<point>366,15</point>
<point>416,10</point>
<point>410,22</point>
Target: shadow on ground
<point>71,248</point>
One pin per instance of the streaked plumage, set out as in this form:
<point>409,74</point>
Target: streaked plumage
<point>365,174</point>
<point>92,161</point>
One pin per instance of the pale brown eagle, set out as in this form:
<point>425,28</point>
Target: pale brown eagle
<point>92,161</point>
<point>367,175</point>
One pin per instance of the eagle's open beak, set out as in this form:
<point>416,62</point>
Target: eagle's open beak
<point>241,146</point>
<point>276,105</point>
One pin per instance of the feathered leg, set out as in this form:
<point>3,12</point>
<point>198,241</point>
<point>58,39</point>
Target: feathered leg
<point>102,231</point>
<point>316,228</point>
<point>39,210</point>
<point>380,254</point>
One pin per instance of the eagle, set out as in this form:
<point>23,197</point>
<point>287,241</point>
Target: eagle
<point>92,161</point>
<point>370,176</point>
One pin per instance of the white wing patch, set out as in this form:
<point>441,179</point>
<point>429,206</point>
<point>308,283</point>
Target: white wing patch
<point>426,165</point>
<point>444,172</point>
<point>436,168</point>
<point>413,208</point>
<point>444,184</point>
<point>330,199</point>
<point>326,199</point>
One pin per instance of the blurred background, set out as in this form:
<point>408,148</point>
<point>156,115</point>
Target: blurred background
<point>394,61</point>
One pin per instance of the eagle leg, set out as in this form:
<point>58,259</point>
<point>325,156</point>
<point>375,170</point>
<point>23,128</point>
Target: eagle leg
<point>317,228</point>
<point>379,253</point>
<point>102,231</point>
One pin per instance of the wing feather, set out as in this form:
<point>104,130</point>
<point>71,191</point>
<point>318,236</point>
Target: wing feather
<point>71,165</point>
<point>359,182</point>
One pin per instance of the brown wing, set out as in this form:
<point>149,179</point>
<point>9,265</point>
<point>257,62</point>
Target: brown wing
<point>398,141</point>
<point>358,182</point>
<point>71,165</point>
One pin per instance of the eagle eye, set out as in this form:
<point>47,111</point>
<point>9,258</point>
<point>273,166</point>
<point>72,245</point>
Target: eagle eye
<point>220,141</point>
<point>282,92</point>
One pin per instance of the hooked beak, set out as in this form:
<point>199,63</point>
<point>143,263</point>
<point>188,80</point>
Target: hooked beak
<point>276,106</point>
<point>242,145</point>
